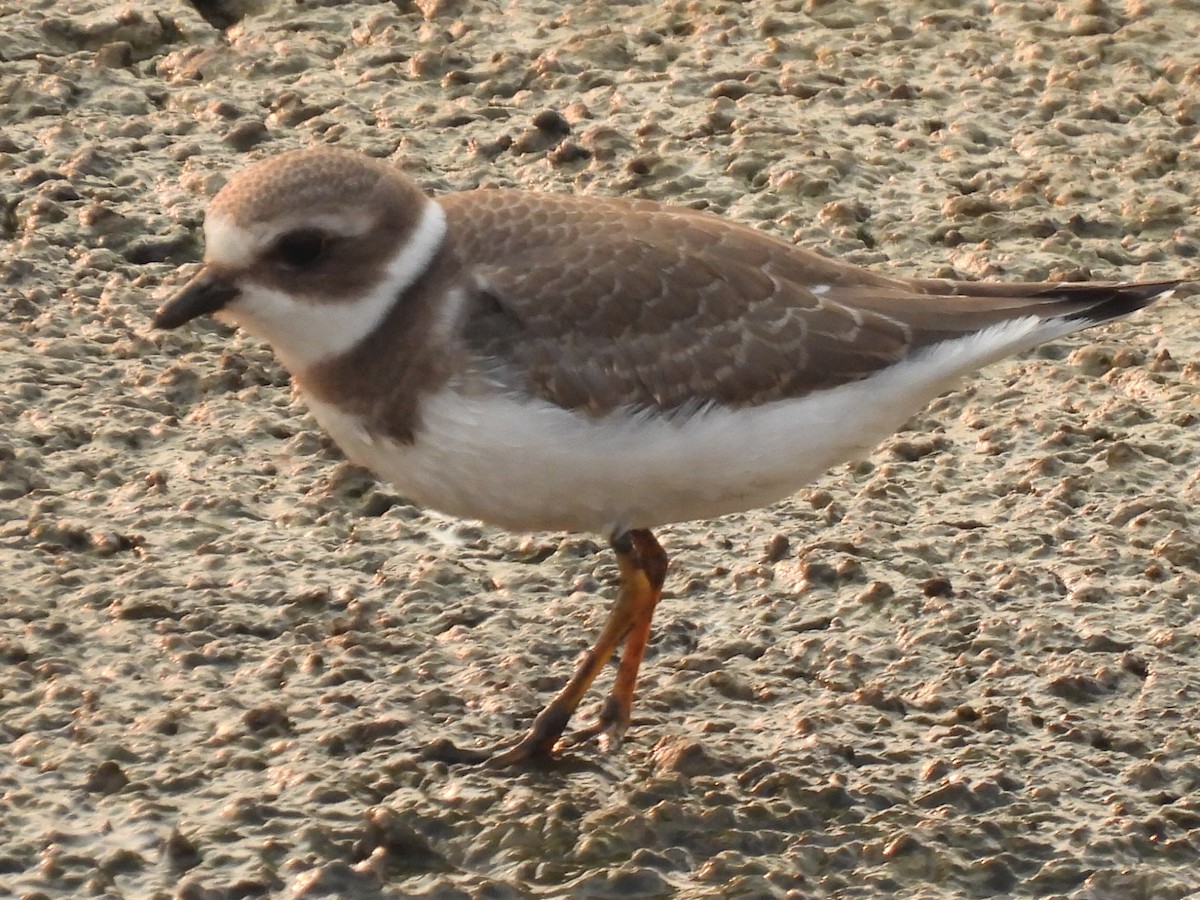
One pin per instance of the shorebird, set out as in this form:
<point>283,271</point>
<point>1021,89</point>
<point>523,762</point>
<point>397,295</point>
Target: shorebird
<point>546,361</point>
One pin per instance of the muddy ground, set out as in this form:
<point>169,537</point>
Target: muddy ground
<point>231,665</point>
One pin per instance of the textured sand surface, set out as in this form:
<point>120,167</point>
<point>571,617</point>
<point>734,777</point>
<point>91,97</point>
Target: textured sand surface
<point>232,665</point>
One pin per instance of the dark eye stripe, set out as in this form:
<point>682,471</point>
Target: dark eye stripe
<point>300,249</point>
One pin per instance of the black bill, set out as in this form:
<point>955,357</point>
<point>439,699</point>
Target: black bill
<point>202,295</point>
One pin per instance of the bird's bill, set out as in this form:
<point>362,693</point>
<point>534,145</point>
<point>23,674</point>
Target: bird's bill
<point>203,295</point>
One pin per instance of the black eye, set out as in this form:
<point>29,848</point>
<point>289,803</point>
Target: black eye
<point>300,249</point>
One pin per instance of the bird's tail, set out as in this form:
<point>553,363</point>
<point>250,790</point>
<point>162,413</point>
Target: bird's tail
<point>1095,303</point>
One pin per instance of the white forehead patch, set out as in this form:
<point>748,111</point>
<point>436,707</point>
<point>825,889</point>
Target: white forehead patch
<point>228,244</point>
<point>307,331</point>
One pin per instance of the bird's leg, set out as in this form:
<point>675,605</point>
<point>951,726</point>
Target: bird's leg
<point>643,567</point>
<point>617,710</point>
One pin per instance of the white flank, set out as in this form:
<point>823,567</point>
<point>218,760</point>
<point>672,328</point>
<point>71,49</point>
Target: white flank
<point>527,465</point>
<point>304,331</point>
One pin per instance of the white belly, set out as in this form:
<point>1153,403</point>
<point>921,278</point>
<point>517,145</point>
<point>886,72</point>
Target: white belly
<point>531,466</point>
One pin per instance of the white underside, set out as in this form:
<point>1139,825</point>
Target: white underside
<point>528,465</point>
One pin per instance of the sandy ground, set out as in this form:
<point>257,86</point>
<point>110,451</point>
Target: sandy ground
<point>231,665</point>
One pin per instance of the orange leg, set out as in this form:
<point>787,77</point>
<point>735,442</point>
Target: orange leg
<point>643,568</point>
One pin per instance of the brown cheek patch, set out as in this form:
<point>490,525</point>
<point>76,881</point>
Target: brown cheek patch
<point>347,271</point>
<point>383,379</point>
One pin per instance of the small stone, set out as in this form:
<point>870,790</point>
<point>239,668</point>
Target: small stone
<point>117,55</point>
<point>106,778</point>
<point>552,121</point>
<point>567,152</point>
<point>391,831</point>
<point>876,592</point>
<point>269,719</point>
<point>937,587</point>
<point>490,149</point>
<point>688,757</point>
<point>1078,688</point>
<point>1179,549</point>
<point>734,90</point>
<point>998,875</point>
<point>776,549</point>
<point>934,770</point>
<point>132,609</point>
<point>122,861</point>
<point>968,206</point>
<point>815,572</point>
<point>244,135</point>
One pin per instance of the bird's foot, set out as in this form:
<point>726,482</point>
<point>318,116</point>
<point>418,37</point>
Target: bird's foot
<point>609,728</point>
<point>546,735</point>
<point>537,746</point>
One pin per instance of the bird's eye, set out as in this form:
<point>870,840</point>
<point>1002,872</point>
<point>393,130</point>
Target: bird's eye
<point>300,249</point>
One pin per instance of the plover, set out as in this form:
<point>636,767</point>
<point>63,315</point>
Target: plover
<point>555,362</point>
